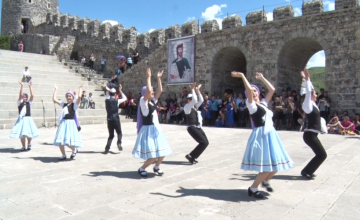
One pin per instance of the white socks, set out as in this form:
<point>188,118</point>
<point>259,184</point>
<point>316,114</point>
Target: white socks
<point>253,189</point>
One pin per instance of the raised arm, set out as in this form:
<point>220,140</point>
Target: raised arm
<point>159,90</point>
<point>31,92</point>
<point>55,95</point>
<point>307,104</point>
<point>148,84</point>
<point>271,89</point>
<point>80,92</point>
<point>201,98</point>
<point>21,90</point>
<point>194,99</point>
<point>123,96</point>
<point>246,83</point>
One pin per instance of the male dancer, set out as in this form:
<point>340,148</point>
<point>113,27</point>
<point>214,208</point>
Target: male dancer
<point>193,119</point>
<point>113,119</point>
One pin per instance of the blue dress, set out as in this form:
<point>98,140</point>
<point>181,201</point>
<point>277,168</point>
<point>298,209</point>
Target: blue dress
<point>229,115</point>
<point>207,104</point>
<point>150,142</point>
<point>67,134</point>
<point>264,151</point>
<point>25,125</point>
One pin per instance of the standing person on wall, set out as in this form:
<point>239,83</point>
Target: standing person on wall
<point>151,144</point>
<point>21,46</point>
<point>316,125</point>
<point>67,133</point>
<point>194,123</point>
<point>264,151</point>
<point>92,61</point>
<point>25,127</point>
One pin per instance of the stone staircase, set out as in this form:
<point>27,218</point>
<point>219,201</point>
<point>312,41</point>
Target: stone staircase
<point>46,71</point>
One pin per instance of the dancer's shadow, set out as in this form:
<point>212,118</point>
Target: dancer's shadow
<point>11,150</point>
<point>96,152</point>
<point>46,159</point>
<point>46,143</point>
<point>176,163</point>
<point>125,175</point>
<point>228,195</point>
<point>251,177</point>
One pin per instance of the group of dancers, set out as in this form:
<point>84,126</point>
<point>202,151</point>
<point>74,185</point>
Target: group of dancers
<point>264,152</point>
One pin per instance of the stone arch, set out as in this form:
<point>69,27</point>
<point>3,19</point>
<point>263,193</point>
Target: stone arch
<point>292,57</point>
<point>230,57</point>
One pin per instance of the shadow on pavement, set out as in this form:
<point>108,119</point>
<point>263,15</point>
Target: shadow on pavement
<point>229,195</point>
<point>248,177</point>
<point>126,174</point>
<point>47,159</point>
<point>11,150</point>
<point>176,163</point>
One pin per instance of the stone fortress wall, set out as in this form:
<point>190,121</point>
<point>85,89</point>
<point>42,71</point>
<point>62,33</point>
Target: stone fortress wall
<point>280,48</point>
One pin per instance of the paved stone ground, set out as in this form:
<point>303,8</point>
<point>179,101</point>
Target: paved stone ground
<point>34,185</point>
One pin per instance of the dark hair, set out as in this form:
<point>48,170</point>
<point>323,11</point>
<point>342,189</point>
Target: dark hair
<point>90,93</point>
<point>357,114</point>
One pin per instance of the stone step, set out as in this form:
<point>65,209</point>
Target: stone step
<point>16,54</point>
<point>15,91</point>
<point>50,122</point>
<point>13,113</point>
<point>88,85</point>
<point>48,79</point>
<point>27,61</point>
<point>38,74</point>
<point>19,67</point>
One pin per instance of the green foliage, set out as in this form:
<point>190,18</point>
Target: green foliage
<point>4,42</point>
<point>317,75</point>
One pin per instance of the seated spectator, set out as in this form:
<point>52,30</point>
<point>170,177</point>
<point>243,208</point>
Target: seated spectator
<point>346,126</point>
<point>130,107</point>
<point>219,122</point>
<point>129,61</point>
<point>333,126</point>
<point>91,101</point>
<point>357,123</point>
<point>26,75</point>
<point>172,110</point>
<point>84,100</point>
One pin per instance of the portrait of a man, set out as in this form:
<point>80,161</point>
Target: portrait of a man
<point>181,60</point>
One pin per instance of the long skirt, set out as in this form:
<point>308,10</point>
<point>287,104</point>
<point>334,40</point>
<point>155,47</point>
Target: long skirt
<point>68,134</point>
<point>24,127</point>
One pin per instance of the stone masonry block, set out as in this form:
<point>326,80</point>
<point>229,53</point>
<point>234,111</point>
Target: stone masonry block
<point>73,23</point>
<point>312,7</point>
<point>116,33</point>
<point>190,28</point>
<point>283,12</point>
<point>56,19</point>
<point>231,22</point>
<point>256,17</point>
<point>83,25</point>
<point>209,26</point>
<point>143,40</point>
<point>93,28</point>
<point>173,31</point>
<point>105,30</point>
<point>64,20</point>
<point>344,4</point>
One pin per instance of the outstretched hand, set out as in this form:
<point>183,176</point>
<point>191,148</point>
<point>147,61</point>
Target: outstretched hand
<point>148,72</point>
<point>21,83</point>
<point>81,85</point>
<point>192,86</point>
<point>237,74</point>
<point>307,74</point>
<point>30,84</point>
<point>159,75</point>
<point>259,75</point>
<point>302,74</point>
<point>56,87</point>
<point>198,88</point>
<point>120,87</point>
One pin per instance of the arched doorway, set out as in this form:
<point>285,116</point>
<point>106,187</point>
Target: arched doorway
<point>293,58</point>
<point>226,60</point>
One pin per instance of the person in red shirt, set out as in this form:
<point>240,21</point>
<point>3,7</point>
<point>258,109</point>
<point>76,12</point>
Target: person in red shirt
<point>21,46</point>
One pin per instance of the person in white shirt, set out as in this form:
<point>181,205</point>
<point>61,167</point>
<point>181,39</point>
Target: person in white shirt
<point>25,127</point>
<point>103,62</point>
<point>26,75</point>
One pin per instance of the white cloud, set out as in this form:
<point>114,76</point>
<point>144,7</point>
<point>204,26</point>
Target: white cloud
<point>151,30</point>
<point>269,16</point>
<point>330,5</point>
<point>317,60</point>
<point>190,19</point>
<point>298,12</point>
<point>111,22</point>
<point>214,12</point>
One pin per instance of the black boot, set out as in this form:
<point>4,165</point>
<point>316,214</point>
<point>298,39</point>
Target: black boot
<point>107,147</point>
<point>119,143</point>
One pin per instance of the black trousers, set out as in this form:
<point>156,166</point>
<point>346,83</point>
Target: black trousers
<point>200,137</point>
<point>214,116</point>
<point>311,139</point>
<point>114,126</point>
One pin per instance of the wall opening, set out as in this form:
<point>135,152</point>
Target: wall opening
<point>226,60</point>
<point>25,22</point>
<point>294,57</point>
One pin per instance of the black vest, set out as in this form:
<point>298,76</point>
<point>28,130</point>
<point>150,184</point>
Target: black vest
<point>257,117</point>
<point>192,118</point>
<point>148,120</point>
<point>27,104</point>
<point>71,112</point>
<point>112,109</point>
<point>314,119</point>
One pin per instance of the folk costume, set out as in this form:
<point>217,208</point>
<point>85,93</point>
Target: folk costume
<point>194,123</point>
<point>316,125</point>
<point>113,119</point>
<point>150,142</point>
<point>25,126</point>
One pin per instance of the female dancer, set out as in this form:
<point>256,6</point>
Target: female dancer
<point>264,151</point>
<point>67,133</point>
<point>316,125</point>
<point>230,109</point>
<point>151,144</point>
<point>25,126</point>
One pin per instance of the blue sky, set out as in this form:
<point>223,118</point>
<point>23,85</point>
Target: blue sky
<point>155,14</point>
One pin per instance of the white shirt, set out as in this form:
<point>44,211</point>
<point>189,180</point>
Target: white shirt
<point>196,104</point>
<point>267,117</point>
<point>103,61</point>
<point>65,111</point>
<point>123,97</point>
<point>145,109</point>
<point>23,110</point>
<point>26,73</point>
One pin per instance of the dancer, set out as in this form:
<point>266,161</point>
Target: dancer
<point>264,151</point>
<point>113,119</point>
<point>194,119</point>
<point>151,144</point>
<point>316,125</point>
<point>25,127</point>
<point>67,133</point>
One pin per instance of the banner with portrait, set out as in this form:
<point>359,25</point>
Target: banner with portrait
<point>181,60</point>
